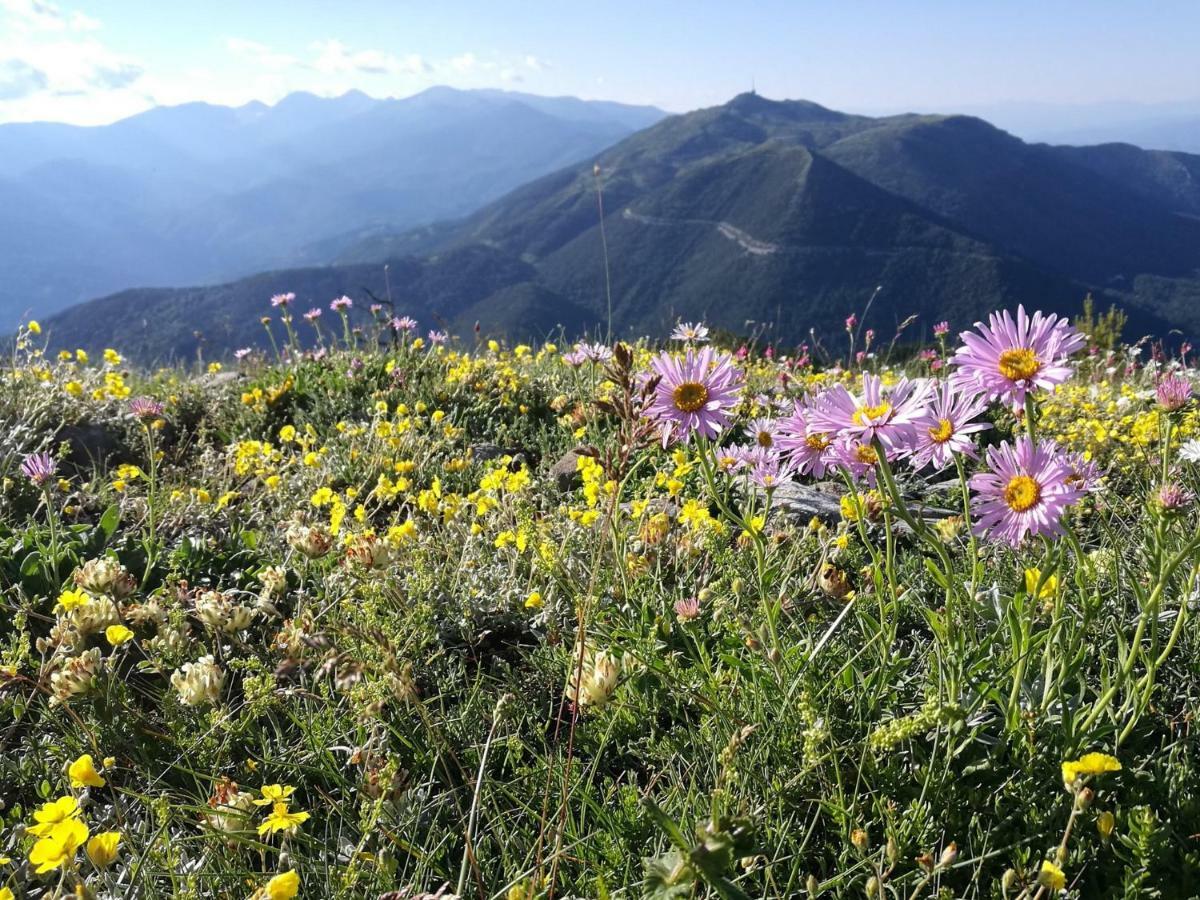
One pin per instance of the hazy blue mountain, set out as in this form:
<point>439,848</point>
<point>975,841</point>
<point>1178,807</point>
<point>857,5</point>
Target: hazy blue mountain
<point>201,192</point>
<point>773,216</point>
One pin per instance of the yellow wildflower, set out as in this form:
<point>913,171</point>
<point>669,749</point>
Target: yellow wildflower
<point>53,813</point>
<point>83,773</point>
<point>118,635</point>
<point>59,846</point>
<point>102,849</point>
<point>73,599</point>
<point>1087,765</point>
<point>274,793</point>
<point>281,819</point>
<point>1049,587</point>
<point>1051,876</point>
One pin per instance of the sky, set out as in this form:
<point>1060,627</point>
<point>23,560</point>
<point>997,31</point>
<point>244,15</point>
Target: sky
<point>96,61</point>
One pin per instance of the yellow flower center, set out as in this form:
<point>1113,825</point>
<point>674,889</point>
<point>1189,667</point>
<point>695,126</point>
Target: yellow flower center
<point>866,454</point>
<point>765,439</point>
<point>866,415</point>
<point>1019,364</point>
<point>942,432</point>
<point>1022,493</point>
<point>690,396</point>
<point>817,441</point>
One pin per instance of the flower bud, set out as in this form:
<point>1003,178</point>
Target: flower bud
<point>949,855</point>
<point>858,837</point>
<point>1105,822</point>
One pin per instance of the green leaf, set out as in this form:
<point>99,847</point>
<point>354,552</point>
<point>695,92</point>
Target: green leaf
<point>109,521</point>
<point>667,825</point>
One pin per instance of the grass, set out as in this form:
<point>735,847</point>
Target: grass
<point>480,681</point>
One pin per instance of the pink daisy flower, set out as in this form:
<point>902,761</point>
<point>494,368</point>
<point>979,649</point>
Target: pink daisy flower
<point>1026,491</point>
<point>945,427</point>
<point>855,456</point>
<point>887,414</point>
<point>807,447</point>
<point>695,393</point>
<point>1009,358</point>
<point>763,432</point>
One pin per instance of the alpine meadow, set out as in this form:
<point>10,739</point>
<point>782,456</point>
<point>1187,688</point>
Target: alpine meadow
<point>490,452</point>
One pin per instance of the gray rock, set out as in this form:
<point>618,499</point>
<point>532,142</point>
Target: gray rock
<point>218,379</point>
<point>90,443</point>
<point>565,472</point>
<point>800,502</point>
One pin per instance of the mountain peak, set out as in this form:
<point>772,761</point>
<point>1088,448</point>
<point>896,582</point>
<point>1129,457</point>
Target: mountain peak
<point>754,103</point>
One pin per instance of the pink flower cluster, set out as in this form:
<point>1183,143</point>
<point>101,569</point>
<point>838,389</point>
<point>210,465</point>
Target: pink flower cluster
<point>1026,486</point>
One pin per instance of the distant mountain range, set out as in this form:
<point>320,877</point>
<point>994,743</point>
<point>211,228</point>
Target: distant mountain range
<point>772,216</point>
<point>200,193</point>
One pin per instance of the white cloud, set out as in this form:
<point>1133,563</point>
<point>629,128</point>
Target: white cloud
<point>464,63</point>
<point>41,15</point>
<point>334,57</point>
<point>536,64</point>
<point>259,54</point>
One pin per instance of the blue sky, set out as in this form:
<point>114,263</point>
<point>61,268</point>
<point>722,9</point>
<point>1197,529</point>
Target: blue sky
<point>98,60</point>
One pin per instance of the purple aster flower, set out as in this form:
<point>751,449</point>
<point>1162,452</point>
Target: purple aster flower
<point>574,358</point>
<point>341,303</point>
<point>808,447</point>
<point>404,323</point>
<point>242,353</point>
<point>855,456</point>
<point>945,427</point>
<point>690,333</point>
<point>1085,474</point>
<point>887,414</point>
<point>597,353</point>
<point>375,308</point>
<point>1173,393</point>
<point>145,408</point>
<point>763,432</point>
<point>1009,358</point>
<point>1025,492</point>
<point>941,329</point>
<point>695,393</point>
<point>769,468</point>
<point>437,337</point>
<point>39,468</point>
<point>282,299</point>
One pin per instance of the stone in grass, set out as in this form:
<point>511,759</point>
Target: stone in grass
<point>565,472</point>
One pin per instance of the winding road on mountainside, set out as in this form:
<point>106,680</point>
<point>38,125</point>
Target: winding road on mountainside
<point>732,232</point>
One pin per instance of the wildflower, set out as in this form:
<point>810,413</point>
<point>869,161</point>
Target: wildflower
<point>534,600</point>
<point>945,427</point>
<point>1026,491</point>
<point>199,682</point>
<point>436,338</point>
<point>762,432</point>
<point>284,886</point>
<point>1041,588</point>
<point>72,599</point>
<point>83,773</point>
<point>38,468</point>
<point>805,445</point>
<point>145,408</point>
<point>690,333</point>
<point>1173,393</point>
<point>1085,474</point>
<point>59,846</point>
<point>53,813</point>
<point>593,683</point>
<point>105,575</point>
<point>1173,497</point>
<point>311,540</point>
<point>1008,358</point>
<point>833,582</point>
<point>281,819</point>
<point>274,793</point>
<point>949,528</point>
<point>1190,451</point>
<point>890,416</point>
<point>77,675</point>
<point>687,609</point>
<point>857,457</point>
<point>102,849</point>
<point>404,323</point>
<point>116,635</point>
<point>695,394</point>
<point>941,329</point>
<point>34,327</point>
<point>1088,765</point>
<point>1105,823</point>
<point>282,299</point>
<point>1051,876</point>
<point>341,303</point>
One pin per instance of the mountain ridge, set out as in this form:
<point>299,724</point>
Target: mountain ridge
<point>781,217</point>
